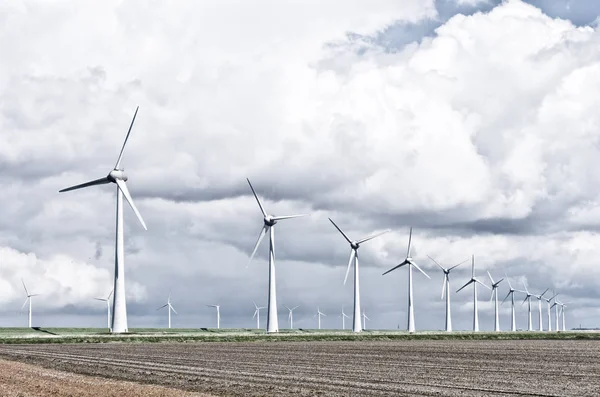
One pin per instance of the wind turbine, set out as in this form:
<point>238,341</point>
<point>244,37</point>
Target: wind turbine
<point>319,314</point>
<point>495,295</point>
<point>291,315</point>
<point>474,281</point>
<point>557,315</point>
<point>365,318</point>
<point>117,176</point>
<point>563,306</point>
<point>257,315</point>
<point>218,314</point>
<point>408,261</point>
<point>29,296</point>
<point>107,300</point>
<point>169,308</point>
<point>344,317</point>
<point>269,225</point>
<point>539,298</point>
<point>511,293</point>
<point>550,311</point>
<point>354,245</point>
<point>527,299</point>
<point>446,291</point>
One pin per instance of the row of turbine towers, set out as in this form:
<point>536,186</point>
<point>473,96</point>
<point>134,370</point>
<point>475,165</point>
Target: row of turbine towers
<point>118,319</point>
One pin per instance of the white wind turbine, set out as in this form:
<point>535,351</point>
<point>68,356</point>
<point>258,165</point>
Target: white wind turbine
<point>365,318</point>
<point>269,225</point>
<point>539,298</point>
<point>169,308</point>
<point>527,299</point>
<point>354,245</point>
<point>218,307</point>
<point>319,314</point>
<point>446,291</point>
<point>29,296</point>
<point>474,281</point>
<point>291,315</point>
<point>563,307</point>
<point>408,261</point>
<point>495,295</point>
<point>344,317</point>
<point>511,293</point>
<point>549,307</point>
<point>107,300</point>
<point>557,314</point>
<point>257,314</point>
<point>117,176</point>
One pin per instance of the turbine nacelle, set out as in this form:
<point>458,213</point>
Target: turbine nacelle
<point>115,175</point>
<point>269,220</point>
<point>355,245</point>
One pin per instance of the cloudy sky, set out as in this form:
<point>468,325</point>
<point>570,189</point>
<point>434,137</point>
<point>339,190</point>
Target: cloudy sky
<point>475,122</point>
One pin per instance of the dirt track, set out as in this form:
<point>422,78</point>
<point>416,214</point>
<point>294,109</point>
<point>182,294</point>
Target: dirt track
<point>431,368</point>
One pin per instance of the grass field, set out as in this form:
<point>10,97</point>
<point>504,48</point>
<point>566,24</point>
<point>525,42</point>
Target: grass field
<point>101,335</point>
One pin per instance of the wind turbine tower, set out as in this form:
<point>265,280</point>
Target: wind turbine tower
<point>218,314</point>
<point>511,293</point>
<point>527,299</point>
<point>495,295</point>
<point>549,307</point>
<point>474,281</point>
<point>269,222</point>
<point>539,298</point>
<point>118,177</point>
<point>446,291</point>
<point>408,261</point>
<point>29,296</point>
<point>354,245</point>
<point>107,300</point>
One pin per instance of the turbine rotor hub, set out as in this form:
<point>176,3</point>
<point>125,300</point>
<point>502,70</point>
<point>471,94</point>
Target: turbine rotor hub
<point>269,221</point>
<point>117,174</point>
<point>354,245</point>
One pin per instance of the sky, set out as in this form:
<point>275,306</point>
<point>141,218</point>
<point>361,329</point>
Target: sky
<point>474,122</point>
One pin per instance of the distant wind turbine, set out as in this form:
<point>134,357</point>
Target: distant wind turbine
<point>556,304</point>
<point>269,222</point>
<point>257,314</point>
<point>29,296</point>
<point>169,308</point>
<point>107,300</point>
<point>319,314</point>
<point>218,314</point>
<point>117,176</point>
<point>495,295</point>
<point>408,261</point>
<point>344,317</point>
<point>511,293</point>
<point>563,306</point>
<point>354,245</point>
<point>539,298</point>
<point>549,307</point>
<point>474,281</point>
<point>365,318</point>
<point>446,291</point>
<point>291,315</point>
<point>527,299</point>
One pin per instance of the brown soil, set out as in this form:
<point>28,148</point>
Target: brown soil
<point>25,380</point>
<point>407,368</point>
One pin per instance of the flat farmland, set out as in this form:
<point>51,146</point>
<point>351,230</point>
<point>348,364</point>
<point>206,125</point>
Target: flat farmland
<point>337,368</point>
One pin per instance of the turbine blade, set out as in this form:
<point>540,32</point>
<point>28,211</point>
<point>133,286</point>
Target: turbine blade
<point>525,285</point>
<point>172,308</point>
<point>419,269</point>
<point>352,256</point>
<point>473,266</point>
<point>434,261</point>
<point>508,281</point>
<point>123,187</point>
<point>507,295</point>
<point>409,240</point>
<point>477,281</point>
<point>468,282</point>
<point>260,238</point>
<point>101,299</point>
<point>491,279</point>
<point>100,181</point>
<point>256,197</point>
<point>26,292</point>
<point>544,292</point>
<point>499,281</point>
<point>255,313</point>
<point>295,307</point>
<point>466,260</point>
<point>165,305</point>
<point>396,267</point>
<point>373,236</point>
<point>126,138</point>
<point>109,295</point>
<point>280,218</point>
<point>24,303</point>
<point>492,294</point>
<point>340,230</point>
<point>524,300</point>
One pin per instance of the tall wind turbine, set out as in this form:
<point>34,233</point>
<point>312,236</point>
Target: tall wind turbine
<point>549,307</point>
<point>539,298</point>
<point>365,318</point>
<point>557,315</point>
<point>218,307</point>
<point>354,245</point>
<point>107,300</point>
<point>169,308</point>
<point>446,291</point>
<point>344,317</point>
<point>319,314</point>
<point>117,176</point>
<point>527,299</point>
<point>291,315</point>
<point>29,296</point>
<point>269,226</point>
<point>511,293</point>
<point>257,314</point>
<point>495,295</point>
<point>474,281</point>
<point>563,307</point>
<point>408,261</point>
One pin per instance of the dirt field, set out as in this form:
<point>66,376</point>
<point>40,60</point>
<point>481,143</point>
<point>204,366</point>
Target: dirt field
<point>431,368</point>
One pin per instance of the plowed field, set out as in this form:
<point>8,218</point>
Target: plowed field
<point>419,367</point>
